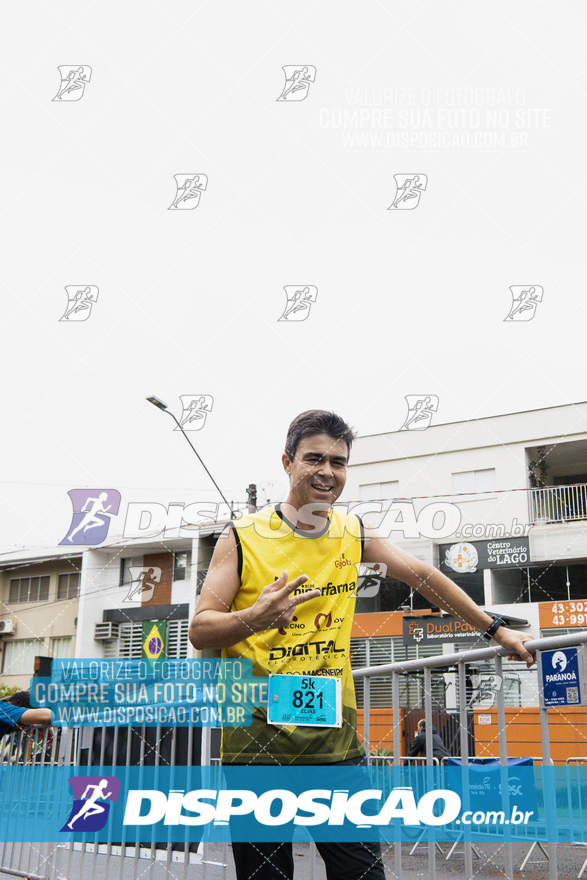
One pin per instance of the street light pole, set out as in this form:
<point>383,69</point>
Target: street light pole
<point>156,401</point>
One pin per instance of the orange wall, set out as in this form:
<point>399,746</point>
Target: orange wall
<point>378,623</point>
<point>568,732</point>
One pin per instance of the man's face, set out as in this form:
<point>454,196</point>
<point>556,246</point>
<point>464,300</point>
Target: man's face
<point>318,471</point>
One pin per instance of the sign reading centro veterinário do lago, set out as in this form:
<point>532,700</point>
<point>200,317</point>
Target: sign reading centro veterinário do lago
<point>466,557</point>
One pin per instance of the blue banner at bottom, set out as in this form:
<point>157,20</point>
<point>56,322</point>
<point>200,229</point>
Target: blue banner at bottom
<point>336,802</point>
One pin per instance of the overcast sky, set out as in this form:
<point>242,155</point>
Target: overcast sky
<point>409,300</point>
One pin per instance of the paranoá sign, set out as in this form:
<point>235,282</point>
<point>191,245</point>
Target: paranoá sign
<point>563,676</point>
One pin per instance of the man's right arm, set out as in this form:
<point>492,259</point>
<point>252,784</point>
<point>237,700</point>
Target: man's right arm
<point>40,717</point>
<point>214,625</point>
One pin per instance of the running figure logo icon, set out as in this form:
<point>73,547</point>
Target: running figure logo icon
<point>297,82</point>
<point>189,188</point>
<point>370,579</point>
<point>80,300</point>
<point>90,509</point>
<point>195,409</point>
<point>74,79</point>
<point>409,189</point>
<point>90,810</point>
<point>143,582</point>
<point>420,411</point>
<point>525,300</point>
<point>299,301</point>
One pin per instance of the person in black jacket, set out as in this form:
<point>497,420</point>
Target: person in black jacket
<point>418,747</point>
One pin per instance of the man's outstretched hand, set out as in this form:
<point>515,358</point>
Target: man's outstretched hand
<point>275,607</point>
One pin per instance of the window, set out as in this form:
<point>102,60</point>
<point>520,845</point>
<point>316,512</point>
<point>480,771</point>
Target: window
<point>471,582</point>
<point>68,585</point>
<point>182,565</point>
<point>200,578</point>
<point>177,638</point>
<point>60,647</point>
<point>472,482</point>
<point>18,657</point>
<point>31,589</point>
<point>393,595</point>
<point>125,579</point>
<point>556,583</point>
<point>379,491</point>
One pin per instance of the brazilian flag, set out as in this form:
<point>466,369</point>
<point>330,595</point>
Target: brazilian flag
<point>154,639</point>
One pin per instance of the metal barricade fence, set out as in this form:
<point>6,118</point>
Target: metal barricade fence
<point>29,860</point>
<point>577,795</point>
<point>460,660</point>
<point>122,858</point>
<point>185,747</point>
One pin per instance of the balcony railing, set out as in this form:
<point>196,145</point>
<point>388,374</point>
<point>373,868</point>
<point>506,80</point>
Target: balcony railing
<point>558,503</point>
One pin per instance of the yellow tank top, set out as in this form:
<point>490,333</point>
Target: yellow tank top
<point>316,642</point>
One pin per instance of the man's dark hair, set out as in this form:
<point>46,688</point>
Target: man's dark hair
<point>317,421</point>
<point>22,699</point>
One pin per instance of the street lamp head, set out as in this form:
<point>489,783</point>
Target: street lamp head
<point>157,402</point>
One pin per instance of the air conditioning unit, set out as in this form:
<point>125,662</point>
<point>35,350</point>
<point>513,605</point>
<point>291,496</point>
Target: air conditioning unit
<point>104,631</point>
<point>7,627</point>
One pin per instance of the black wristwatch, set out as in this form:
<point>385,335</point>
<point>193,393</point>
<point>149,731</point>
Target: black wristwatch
<point>492,628</point>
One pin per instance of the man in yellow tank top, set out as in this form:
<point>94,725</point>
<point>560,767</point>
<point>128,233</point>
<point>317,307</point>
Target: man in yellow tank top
<point>281,592</point>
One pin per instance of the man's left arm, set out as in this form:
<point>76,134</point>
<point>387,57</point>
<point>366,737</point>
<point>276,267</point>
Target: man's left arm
<point>441,591</point>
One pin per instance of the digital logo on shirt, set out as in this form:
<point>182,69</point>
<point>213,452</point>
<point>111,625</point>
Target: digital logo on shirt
<point>90,802</point>
<point>90,521</point>
<point>308,649</point>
